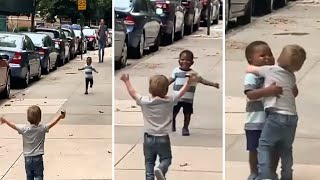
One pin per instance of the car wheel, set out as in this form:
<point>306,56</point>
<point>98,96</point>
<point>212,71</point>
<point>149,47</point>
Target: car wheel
<point>269,4</point>
<point>123,61</point>
<point>156,45</point>
<point>169,38</point>
<point>196,26</point>
<point>216,21</point>
<point>227,14</point>
<point>26,79</point>
<point>38,77</point>
<point>283,3</point>
<point>246,19</point>
<point>181,32</point>
<point>189,29</point>
<point>47,69</point>
<point>6,92</point>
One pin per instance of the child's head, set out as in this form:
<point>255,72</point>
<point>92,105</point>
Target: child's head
<point>89,60</point>
<point>186,59</point>
<point>158,86</point>
<point>258,53</point>
<point>34,115</point>
<point>292,58</point>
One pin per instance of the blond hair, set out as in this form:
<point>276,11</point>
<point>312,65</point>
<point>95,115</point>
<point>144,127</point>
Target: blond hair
<point>296,53</point>
<point>158,85</point>
<point>34,114</point>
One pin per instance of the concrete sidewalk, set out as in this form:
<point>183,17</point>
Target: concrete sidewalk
<point>275,29</point>
<point>198,156</point>
<point>79,147</point>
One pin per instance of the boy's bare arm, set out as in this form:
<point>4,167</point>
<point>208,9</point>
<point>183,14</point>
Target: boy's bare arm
<point>81,69</point>
<point>56,120</point>
<point>253,69</point>
<point>95,70</point>
<point>10,124</point>
<point>208,83</point>
<point>295,91</point>
<point>191,79</point>
<point>131,91</point>
<point>171,80</point>
<point>271,90</point>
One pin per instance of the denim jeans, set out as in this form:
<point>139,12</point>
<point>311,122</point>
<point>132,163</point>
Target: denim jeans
<point>34,167</point>
<point>101,47</point>
<point>154,146</point>
<point>278,133</point>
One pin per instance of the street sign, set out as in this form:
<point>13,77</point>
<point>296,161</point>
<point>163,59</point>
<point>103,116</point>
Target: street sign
<point>82,5</point>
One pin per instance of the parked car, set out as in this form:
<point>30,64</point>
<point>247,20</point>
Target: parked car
<point>81,38</point>
<point>109,39</point>
<point>143,25</point>
<point>221,10</point>
<point>120,44</point>
<point>240,9</point>
<point>61,43</point>
<point>193,15</point>
<point>214,8</point>
<point>5,77</point>
<point>91,37</point>
<point>45,46</point>
<point>73,41</point>
<point>23,59</point>
<point>267,6</point>
<point>171,13</point>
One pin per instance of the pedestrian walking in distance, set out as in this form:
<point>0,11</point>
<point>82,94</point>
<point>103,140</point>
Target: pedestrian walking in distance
<point>179,77</point>
<point>33,136</point>
<point>88,68</point>
<point>157,114</point>
<point>102,35</point>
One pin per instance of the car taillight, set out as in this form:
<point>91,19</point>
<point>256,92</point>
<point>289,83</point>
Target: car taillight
<point>129,20</point>
<point>164,6</point>
<point>57,41</point>
<point>41,51</point>
<point>17,58</point>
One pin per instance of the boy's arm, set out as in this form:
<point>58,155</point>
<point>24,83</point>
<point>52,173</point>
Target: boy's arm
<point>55,121</point>
<point>208,83</point>
<point>10,124</point>
<point>272,90</point>
<point>94,69</point>
<point>131,90</point>
<point>171,80</point>
<point>191,79</point>
<point>81,68</point>
<point>295,91</point>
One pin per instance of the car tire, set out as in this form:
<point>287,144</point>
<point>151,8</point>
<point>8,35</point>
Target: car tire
<point>246,19</point>
<point>26,80</point>
<point>5,94</point>
<point>189,28</point>
<point>282,3</point>
<point>123,61</point>
<point>269,5</point>
<point>180,34</point>
<point>197,26</point>
<point>169,38</point>
<point>38,77</point>
<point>216,21</point>
<point>156,45</point>
<point>137,52</point>
<point>47,69</point>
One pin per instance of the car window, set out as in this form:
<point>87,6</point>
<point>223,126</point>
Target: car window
<point>67,33</point>
<point>118,25</point>
<point>36,39</point>
<point>51,33</point>
<point>28,43</point>
<point>63,35</point>
<point>125,5</point>
<point>89,32</point>
<point>142,6</point>
<point>50,42</point>
<point>10,42</point>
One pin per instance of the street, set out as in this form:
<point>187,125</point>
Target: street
<point>197,156</point>
<point>298,23</point>
<point>78,147</point>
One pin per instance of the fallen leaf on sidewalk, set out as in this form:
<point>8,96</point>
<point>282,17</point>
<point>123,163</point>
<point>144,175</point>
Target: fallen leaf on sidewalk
<point>23,94</point>
<point>184,165</point>
<point>70,135</point>
<point>109,152</point>
<point>45,102</point>
<point>101,112</point>
<point>7,105</point>
<point>45,97</point>
<point>117,109</point>
<point>133,106</point>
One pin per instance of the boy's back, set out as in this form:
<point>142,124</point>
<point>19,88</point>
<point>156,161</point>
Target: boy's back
<point>33,139</point>
<point>157,114</point>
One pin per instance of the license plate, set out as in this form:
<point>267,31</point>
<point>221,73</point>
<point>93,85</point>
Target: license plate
<point>56,46</point>
<point>159,11</point>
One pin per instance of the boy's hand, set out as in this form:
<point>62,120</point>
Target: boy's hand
<point>275,90</point>
<point>216,85</point>
<point>193,78</point>
<point>2,120</point>
<point>124,77</point>
<point>62,115</point>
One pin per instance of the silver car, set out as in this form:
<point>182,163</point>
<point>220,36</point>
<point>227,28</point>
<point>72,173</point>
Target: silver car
<point>120,44</point>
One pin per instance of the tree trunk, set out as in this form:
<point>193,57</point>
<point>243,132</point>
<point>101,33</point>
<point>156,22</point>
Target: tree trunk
<point>32,21</point>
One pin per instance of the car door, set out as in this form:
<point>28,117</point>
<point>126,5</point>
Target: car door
<point>53,49</point>
<point>3,73</point>
<point>143,19</point>
<point>179,12</point>
<point>119,37</point>
<point>66,43</point>
<point>33,64</point>
<point>154,22</point>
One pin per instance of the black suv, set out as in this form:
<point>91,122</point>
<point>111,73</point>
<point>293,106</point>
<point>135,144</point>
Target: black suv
<point>72,39</point>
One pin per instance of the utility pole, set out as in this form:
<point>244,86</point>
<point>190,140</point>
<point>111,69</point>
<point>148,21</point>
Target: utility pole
<point>82,6</point>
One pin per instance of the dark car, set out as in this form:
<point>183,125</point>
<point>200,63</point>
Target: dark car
<point>171,14</point>
<point>240,9</point>
<point>143,25</point>
<point>4,77</point>
<point>91,36</point>
<point>266,6</point>
<point>120,44</point>
<point>46,49</point>
<point>81,38</point>
<point>23,59</point>
<point>61,43</point>
<point>193,15</point>
<point>214,8</point>
<point>73,41</point>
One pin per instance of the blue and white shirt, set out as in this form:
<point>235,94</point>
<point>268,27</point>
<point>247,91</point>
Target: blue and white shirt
<point>88,71</point>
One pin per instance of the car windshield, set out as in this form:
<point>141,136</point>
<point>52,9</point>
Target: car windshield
<point>52,34</point>
<point>77,33</point>
<point>123,5</point>
<point>10,42</point>
<point>37,39</point>
<point>89,32</point>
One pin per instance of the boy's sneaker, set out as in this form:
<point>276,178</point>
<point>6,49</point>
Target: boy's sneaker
<point>185,132</point>
<point>252,177</point>
<point>158,173</point>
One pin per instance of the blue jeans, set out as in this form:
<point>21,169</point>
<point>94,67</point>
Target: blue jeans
<point>152,147</point>
<point>34,167</point>
<point>101,47</point>
<point>278,133</point>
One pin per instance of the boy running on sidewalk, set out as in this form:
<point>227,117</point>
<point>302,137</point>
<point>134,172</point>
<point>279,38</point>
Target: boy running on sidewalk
<point>157,115</point>
<point>33,136</point>
<point>258,53</point>
<point>88,68</point>
<point>179,78</point>
<point>280,128</point>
